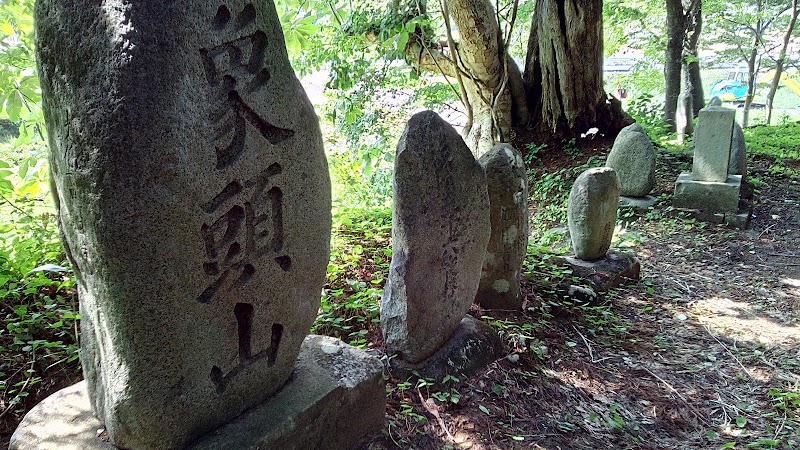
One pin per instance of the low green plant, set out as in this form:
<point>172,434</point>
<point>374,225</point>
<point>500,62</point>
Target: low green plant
<point>570,148</point>
<point>532,152</point>
<point>358,267</point>
<point>777,143</point>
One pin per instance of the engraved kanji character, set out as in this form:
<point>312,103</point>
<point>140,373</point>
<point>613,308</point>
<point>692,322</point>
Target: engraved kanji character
<point>233,69</point>
<point>243,233</point>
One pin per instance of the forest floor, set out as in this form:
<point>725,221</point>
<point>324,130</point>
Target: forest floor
<point>702,353</point>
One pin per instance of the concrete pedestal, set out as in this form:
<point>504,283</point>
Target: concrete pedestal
<point>708,196</point>
<point>739,219</point>
<point>335,398</point>
<point>616,268</point>
<point>637,203</point>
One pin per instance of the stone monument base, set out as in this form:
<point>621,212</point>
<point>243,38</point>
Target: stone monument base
<point>739,220</point>
<point>709,196</point>
<point>473,346</point>
<point>335,398</point>
<point>602,275</point>
<point>637,203</point>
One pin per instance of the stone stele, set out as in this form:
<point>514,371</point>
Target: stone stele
<point>712,143</point>
<point>592,212</point>
<point>440,229</point>
<point>194,203</point>
<point>634,159</point>
<point>508,204</point>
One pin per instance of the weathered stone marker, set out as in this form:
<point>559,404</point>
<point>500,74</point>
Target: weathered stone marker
<point>712,189</point>
<point>313,411</point>
<point>592,212</point>
<point>712,144</point>
<point>592,216</point>
<point>194,203</point>
<point>683,115</point>
<point>440,229</point>
<point>633,158</point>
<point>508,202</point>
<point>737,164</point>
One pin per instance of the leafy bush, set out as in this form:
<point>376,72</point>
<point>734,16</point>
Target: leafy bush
<point>648,113</point>
<point>778,143</point>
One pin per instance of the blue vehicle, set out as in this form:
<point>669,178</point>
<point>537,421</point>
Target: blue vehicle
<point>730,90</point>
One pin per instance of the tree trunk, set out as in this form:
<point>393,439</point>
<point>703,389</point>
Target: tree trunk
<point>781,59</point>
<point>694,25</point>
<point>564,70</point>
<point>561,93</point>
<point>751,79</point>
<point>478,61</point>
<point>676,32</point>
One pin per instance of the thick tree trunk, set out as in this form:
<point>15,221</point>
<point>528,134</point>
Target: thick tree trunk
<point>694,25</point>
<point>676,32</point>
<point>482,57</point>
<point>794,10</point>
<point>564,70</point>
<point>489,77</point>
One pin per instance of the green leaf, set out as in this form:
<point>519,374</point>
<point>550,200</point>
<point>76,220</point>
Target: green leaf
<point>484,409</point>
<point>741,421</point>
<point>401,41</point>
<point>23,169</point>
<point>13,107</point>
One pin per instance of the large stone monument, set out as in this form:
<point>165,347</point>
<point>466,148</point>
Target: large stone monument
<point>194,203</point>
<point>508,205</point>
<point>633,158</point>
<point>440,229</point>
<point>592,217</point>
<point>711,189</point>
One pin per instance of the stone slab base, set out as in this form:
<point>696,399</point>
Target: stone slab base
<point>473,346</point>
<point>710,196</point>
<point>335,398</point>
<point>739,220</point>
<point>618,267</point>
<point>637,203</point>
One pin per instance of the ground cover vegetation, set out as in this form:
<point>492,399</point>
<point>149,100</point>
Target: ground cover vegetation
<point>701,353</point>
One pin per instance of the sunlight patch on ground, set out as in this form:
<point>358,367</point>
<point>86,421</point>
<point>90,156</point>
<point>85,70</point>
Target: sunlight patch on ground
<point>741,321</point>
<point>791,282</point>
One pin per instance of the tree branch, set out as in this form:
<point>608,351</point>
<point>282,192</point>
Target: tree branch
<point>454,52</point>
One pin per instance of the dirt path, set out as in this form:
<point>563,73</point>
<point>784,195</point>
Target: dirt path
<point>703,353</point>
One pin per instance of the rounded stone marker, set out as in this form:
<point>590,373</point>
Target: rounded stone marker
<point>634,159</point>
<point>592,212</point>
